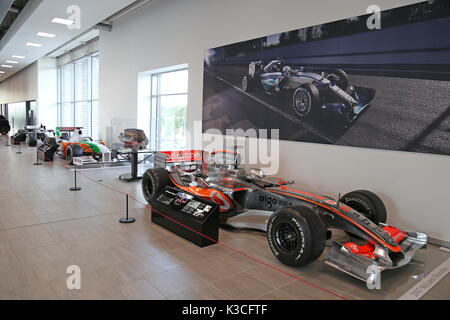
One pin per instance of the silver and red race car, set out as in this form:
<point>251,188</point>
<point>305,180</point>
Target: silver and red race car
<point>298,223</point>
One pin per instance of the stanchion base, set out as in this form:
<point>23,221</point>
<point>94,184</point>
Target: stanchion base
<point>75,189</point>
<point>127,220</point>
<point>18,152</point>
<point>37,164</point>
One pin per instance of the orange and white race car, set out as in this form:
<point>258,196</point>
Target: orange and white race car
<point>79,146</point>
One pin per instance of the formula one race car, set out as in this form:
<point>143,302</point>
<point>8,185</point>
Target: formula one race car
<point>78,146</point>
<point>297,222</point>
<point>36,135</point>
<point>309,92</point>
<point>4,126</point>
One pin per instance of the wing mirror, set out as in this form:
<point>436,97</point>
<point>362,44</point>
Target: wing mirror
<point>257,173</point>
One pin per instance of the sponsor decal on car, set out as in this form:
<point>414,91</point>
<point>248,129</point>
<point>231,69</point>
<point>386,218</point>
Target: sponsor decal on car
<point>183,156</point>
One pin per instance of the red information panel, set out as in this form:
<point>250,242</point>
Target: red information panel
<point>183,156</point>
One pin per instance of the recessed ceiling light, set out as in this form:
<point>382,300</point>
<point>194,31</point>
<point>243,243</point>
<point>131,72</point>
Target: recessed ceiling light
<point>63,21</point>
<point>11,61</point>
<point>18,57</point>
<point>46,35</point>
<point>6,66</point>
<point>32,44</point>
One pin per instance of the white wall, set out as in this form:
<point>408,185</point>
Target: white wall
<point>173,32</point>
<point>20,87</point>
<point>47,92</point>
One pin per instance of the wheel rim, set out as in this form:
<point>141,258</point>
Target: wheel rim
<point>302,102</point>
<point>287,237</point>
<point>355,205</point>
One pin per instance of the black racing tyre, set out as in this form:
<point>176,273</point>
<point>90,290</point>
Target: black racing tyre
<point>296,235</point>
<point>368,204</point>
<point>31,140</point>
<point>341,78</point>
<point>247,83</point>
<point>305,99</point>
<point>153,183</point>
<point>73,150</point>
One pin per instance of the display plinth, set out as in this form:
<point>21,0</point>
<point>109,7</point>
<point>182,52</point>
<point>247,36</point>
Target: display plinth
<point>190,217</point>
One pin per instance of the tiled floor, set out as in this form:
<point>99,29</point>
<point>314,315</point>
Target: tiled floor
<point>44,228</point>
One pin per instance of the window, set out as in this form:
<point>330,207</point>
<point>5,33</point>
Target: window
<point>162,107</point>
<point>78,94</point>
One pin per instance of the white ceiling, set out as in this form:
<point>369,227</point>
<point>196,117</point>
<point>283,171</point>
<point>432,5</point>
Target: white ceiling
<point>36,17</point>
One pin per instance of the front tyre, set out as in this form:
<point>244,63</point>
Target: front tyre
<point>73,150</point>
<point>247,83</point>
<point>305,99</point>
<point>340,78</point>
<point>153,183</point>
<point>296,235</point>
<point>368,204</point>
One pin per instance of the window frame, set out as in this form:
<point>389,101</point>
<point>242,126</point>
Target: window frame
<point>73,101</point>
<point>155,96</point>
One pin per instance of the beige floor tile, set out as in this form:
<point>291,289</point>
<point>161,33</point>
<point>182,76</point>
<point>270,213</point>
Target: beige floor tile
<point>11,279</point>
<point>155,264</point>
<point>14,222</point>
<point>26,232</point>
<point>210,272</point>
<point>31,257</point>
<point>302,291</point>
<point>174,282</point>
<point>271,277</point>
<point>275,295</point>
<point>205,292</point>
<point>243,286</point>
<point>9,261</point>
<point>51,290</point>
<point>140,290</point>
<point>33,242</point>
<point>7,295</point>
<point>188,254</point>
<point>122,273</point>
<point>47,271</point>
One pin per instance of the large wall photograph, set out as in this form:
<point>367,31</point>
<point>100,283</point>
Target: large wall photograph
<point>341,83</point>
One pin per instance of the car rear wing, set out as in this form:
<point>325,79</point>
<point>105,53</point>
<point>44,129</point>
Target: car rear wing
<point>64,132</point>
<point>187,160</point>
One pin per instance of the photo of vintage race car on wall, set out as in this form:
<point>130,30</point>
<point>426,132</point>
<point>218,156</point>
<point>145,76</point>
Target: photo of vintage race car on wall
<point>298,223</point>
<point>309,92</point>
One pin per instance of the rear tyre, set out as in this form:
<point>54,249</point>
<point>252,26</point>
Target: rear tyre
<point>31,140</point>
<point>153,183</point>
<point>73,150</point>
<point>296,235</point>
<point>305,99</point>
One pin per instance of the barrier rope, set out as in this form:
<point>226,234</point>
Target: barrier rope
<point>147,207</point>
